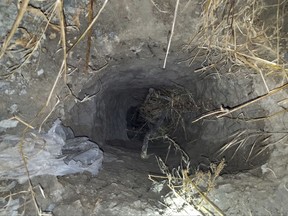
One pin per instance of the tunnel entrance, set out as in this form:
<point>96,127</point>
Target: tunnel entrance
<point>147,106</point>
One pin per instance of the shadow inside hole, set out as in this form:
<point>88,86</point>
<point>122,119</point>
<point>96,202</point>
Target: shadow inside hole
<point>137,126</point>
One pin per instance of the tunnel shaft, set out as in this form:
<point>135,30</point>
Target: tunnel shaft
<point>185,96</point>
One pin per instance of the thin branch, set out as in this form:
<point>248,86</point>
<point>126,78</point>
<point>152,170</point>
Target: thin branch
<point>23,122</point>
<point>274,91</point>
<point>19,17</point>
<point>90,25</point>
<point>45,119</point>
<point>171,34</point>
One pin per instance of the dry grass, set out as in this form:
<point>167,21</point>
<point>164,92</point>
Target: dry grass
<point>174,102</point>
<point>235,30</point>
<point>164,110</point>
<point>247,139</point>
<point>30,43</point>
<point>89,35</point>
<point>22,10</point>
<point>194,188</point>
<point>231,33</point>
<point>225,111</point>
<point>235,33</point>
<point>171,33</point>
<point>245,35</point>
<point>25,196</point>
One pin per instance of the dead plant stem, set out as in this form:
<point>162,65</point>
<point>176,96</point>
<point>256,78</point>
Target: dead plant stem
<point>19,17</point>
<point>171,34</point>
<point>274,91</point>
<point>90,25</point>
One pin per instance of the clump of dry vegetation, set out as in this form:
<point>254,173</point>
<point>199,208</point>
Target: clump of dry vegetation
<point>172,102</point>
<point>191,188</point>
<point>242,34</point>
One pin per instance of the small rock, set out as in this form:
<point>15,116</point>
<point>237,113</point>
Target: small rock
<point>40,72</point>
<point>4,86</point>
<point>9,91</point>
<point>52,36</point>
<point>23,92</point>
<point>73,209</point>
<point>8,123</point>
<point>13,109</point>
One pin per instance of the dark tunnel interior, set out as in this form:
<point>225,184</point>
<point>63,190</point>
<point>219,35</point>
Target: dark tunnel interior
<point>136,125</point>
<point>116,117</point>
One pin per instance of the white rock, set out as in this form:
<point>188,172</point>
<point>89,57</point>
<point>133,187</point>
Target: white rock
<point>40,72</point>
<point>8,123</point>
<point>9,92</point>
<point>23,92</point>
<point>13,109</point>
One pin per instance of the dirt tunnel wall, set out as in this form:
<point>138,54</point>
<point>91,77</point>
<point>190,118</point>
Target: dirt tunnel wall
<point>123,86</point>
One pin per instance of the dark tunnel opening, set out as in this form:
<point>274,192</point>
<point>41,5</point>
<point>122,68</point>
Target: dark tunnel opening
<point>118,118</point>
<point>136,124</point>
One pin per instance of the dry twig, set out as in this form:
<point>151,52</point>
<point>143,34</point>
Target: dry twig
<point>171,33</point>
